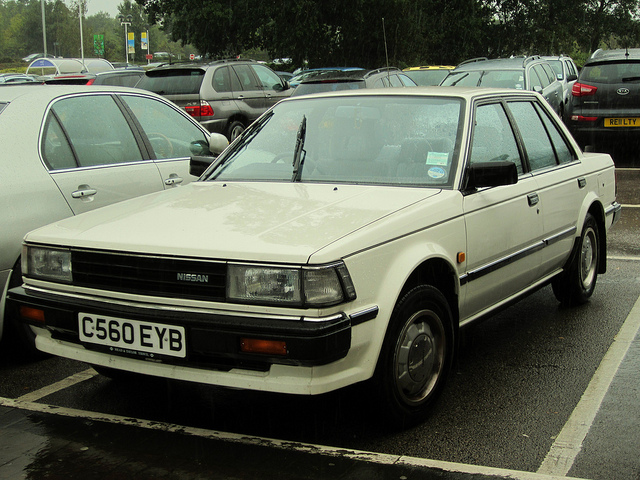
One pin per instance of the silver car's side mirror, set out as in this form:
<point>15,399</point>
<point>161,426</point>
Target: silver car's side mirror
<point>217,143</point>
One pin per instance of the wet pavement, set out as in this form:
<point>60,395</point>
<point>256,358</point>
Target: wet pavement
<point>40,445</point>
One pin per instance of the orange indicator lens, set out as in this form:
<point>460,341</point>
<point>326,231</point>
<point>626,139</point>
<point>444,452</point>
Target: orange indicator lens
<point>265,347</point>
<point>29,313</point>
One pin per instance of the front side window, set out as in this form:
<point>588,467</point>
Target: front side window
<point>493,139</point>
<point>96,139</point>
<point>368,140</point>
<point>171,135</point>
<point>268,79</point>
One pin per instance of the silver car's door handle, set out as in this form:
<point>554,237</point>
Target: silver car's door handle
<point>83,191</point>
<point>533,199</point>
<point>173,180</point>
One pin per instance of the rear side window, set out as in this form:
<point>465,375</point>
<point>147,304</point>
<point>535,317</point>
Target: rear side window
<point>173,82</point>
<point>616,72</point>
<point>537,143</point>
<point>103,139</point>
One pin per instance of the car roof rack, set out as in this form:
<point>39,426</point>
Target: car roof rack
<point>473,60</point>
<point>531,58</point>
<point>381,70</point>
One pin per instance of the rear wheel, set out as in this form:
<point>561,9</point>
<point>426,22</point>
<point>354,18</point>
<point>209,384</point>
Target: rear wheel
<point>416,356</point>
<point>577,283</point>
<point>234,130</point>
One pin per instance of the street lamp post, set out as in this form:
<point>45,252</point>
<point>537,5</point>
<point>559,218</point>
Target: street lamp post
<point>126,21</point>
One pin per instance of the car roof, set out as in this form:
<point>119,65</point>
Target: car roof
<point>49,92</point>
<point>512,63</point>
<point>614,55</point>
<point>467,93</point>
<point>349,75</point>
<point>429,67</point>
<point>200,65</point>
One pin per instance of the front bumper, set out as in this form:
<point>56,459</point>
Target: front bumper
<point>213,340</point>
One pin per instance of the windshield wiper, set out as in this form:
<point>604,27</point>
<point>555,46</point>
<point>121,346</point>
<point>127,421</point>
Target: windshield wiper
<point>298,157</point>
<point>453,84</point>
<point>630,79</point>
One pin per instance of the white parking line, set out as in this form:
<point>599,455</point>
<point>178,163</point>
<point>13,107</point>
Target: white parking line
<point>568,444</point>
<point>61,385</point>
<point>359,455</point>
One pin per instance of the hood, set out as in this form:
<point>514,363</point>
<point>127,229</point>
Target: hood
<point>275,222</point>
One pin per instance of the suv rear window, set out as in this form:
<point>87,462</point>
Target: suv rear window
<point>611,72</point>
<point>185,81</point>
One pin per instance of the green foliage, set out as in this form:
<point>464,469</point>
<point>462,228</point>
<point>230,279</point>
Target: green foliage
<point>21,31</point>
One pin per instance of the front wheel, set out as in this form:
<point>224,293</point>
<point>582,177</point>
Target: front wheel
<point>416,356</point>
<point>577,283</point>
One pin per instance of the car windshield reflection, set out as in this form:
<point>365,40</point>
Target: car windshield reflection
<point>387,140</point>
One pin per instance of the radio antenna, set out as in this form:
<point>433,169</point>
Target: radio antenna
<point>384,35</point>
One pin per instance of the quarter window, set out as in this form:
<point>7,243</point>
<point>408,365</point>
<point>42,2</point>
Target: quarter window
<point>493,138</point>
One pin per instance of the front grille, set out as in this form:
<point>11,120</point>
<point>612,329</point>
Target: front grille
<point>150,275</point>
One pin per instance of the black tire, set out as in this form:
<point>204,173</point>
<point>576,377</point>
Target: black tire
<point>234,130</point>
<point>22,331</point>
<point>575,285</point>
<point>416,356</point>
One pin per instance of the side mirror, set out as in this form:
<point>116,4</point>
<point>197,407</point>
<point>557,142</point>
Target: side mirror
<point>571,78</point>
<point>537,89</point>
<point>217,143</point>
<point>491,174</point>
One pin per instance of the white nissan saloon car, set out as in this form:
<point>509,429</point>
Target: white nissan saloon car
<point>343,238</point>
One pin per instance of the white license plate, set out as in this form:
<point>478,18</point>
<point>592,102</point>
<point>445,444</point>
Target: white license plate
<point>132,336</point>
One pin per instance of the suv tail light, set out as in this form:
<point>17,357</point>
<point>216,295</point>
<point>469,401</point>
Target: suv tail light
<point>201,110</point>
<point>583,90</point>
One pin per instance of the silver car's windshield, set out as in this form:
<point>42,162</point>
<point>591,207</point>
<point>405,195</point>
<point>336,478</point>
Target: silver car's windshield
<point>382,140</point>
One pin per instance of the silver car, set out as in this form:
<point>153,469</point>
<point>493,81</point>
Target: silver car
<point>70,149</point>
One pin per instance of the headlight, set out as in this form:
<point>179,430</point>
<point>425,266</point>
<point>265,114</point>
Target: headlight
<point>47,263</point>
<point>297,287</point>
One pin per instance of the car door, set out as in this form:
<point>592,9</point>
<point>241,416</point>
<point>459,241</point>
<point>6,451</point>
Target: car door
<point>547,87</point>
<point>275,89</point>
<point>93,155</point>
<point>171,137</point>
<point>558,175</point>
<point>251,98</point>
<point>504,225</point>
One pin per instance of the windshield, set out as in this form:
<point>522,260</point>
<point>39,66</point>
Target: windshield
<point>386,140</point>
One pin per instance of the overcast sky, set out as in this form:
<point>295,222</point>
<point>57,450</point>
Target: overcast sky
<point>108,6</point>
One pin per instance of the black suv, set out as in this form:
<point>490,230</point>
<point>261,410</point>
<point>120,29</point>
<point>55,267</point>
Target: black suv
<point>605,101</point>
<point>353,79</point>
<point>522,73</point>
<point>224,96</point>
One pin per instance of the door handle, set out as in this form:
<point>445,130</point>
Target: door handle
<point>173,180</point>
<point>83,191</point>
<point>533,199</point>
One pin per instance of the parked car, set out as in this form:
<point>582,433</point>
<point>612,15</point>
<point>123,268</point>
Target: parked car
<point>567,73</point>
<point>70,149</point>
<point>605,100</point>
<point>343,238</point>
<point>68,79</point>
<point>353,79</point>
<point>309,73</point>
<point>429,75</point>
<point>13,78</point>
<point>121,77</point>
<point>224,96</point>
<point>530,73</point>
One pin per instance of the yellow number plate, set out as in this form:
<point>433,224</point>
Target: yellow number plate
<point>622,122</point>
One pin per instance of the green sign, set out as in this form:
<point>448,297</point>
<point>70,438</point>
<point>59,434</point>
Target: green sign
<point>98,45</point>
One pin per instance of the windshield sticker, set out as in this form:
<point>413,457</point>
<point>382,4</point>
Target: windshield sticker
<point>437,158</point>
<point>436,173</point>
